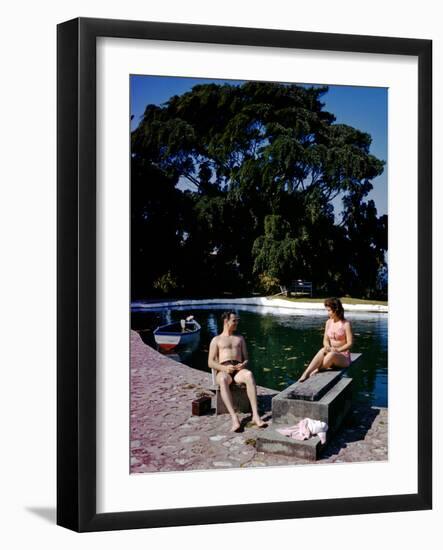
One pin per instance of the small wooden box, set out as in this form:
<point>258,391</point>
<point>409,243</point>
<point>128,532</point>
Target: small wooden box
<point>201,405</point>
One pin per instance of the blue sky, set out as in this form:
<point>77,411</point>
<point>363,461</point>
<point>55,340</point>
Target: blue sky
<point>364,108</point>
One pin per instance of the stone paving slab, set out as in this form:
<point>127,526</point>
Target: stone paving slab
<point>166,437</point>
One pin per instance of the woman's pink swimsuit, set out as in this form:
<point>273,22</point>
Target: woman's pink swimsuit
<point>336,331</point>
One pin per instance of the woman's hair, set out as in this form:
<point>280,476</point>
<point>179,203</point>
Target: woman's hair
<point>336,306</point>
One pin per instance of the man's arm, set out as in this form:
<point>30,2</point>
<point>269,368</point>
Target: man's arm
<point>244,353</point>
<point>213,356</point>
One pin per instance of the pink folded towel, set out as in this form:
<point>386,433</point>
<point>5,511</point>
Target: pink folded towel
<point>305,429</point>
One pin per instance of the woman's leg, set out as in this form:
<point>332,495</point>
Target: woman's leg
<point>314,365</point>
<point>334,359</point>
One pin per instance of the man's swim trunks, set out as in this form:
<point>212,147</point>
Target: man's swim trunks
<point>232,362</point>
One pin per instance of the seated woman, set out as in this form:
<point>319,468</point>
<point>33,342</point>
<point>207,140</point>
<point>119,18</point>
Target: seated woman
<point>337,341</point>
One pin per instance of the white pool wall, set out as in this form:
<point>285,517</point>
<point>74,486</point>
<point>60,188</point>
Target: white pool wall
<point>308,308</point>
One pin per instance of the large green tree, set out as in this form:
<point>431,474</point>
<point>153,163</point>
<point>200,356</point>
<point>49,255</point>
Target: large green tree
<point>262,163</point>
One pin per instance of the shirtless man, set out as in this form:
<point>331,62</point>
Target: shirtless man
<point>229,357</point>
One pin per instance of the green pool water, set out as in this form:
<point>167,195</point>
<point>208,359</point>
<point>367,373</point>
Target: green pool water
<point>281,344</point>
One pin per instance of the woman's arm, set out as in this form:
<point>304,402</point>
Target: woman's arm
<point>349,338</point>
<point>326,342</point>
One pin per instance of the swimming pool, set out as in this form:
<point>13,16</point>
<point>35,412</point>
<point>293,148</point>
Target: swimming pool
<point>281,343</point>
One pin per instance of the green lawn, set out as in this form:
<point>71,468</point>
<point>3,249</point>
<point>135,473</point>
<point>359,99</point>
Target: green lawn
<point>343,300</point>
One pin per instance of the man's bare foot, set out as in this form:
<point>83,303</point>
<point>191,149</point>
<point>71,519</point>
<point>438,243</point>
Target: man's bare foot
<point>259,422</point>
<point>235,426</point>
<point>313,372</point>
<point>302,379</point>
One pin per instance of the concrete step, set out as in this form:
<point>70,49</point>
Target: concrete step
<point>331,408</point>
<point>327,396</point>
<point>270,441</point>
<point>315,387</point>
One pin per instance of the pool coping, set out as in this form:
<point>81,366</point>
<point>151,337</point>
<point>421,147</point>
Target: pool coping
<point>261,301</point>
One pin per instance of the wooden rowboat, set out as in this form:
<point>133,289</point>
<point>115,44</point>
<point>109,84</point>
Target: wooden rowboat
<point>181,333</point>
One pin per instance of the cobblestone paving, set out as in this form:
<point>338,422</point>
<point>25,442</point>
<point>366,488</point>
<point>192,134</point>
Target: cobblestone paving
<point>166,437</point>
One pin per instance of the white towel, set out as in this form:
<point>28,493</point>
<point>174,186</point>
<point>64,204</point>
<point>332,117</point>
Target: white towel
<point>305,429</point>
<point>318,427</point>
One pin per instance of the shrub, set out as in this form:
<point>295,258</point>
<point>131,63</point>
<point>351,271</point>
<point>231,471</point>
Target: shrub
<point>268,284</point>
<point>166,283</point>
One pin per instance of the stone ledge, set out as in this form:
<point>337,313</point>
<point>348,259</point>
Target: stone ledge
<point>270,441</point>
<point>331,408</point>
<point>314,387</point>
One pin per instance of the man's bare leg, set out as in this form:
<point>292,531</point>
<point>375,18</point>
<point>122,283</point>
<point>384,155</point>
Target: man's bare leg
<point>224,380</point>
<point>314,365</point>
<point>246,377</point>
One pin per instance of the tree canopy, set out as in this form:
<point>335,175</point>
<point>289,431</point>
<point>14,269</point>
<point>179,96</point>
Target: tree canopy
<point>232,190</point>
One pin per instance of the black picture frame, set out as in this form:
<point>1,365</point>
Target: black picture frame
<point>76,266</point>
